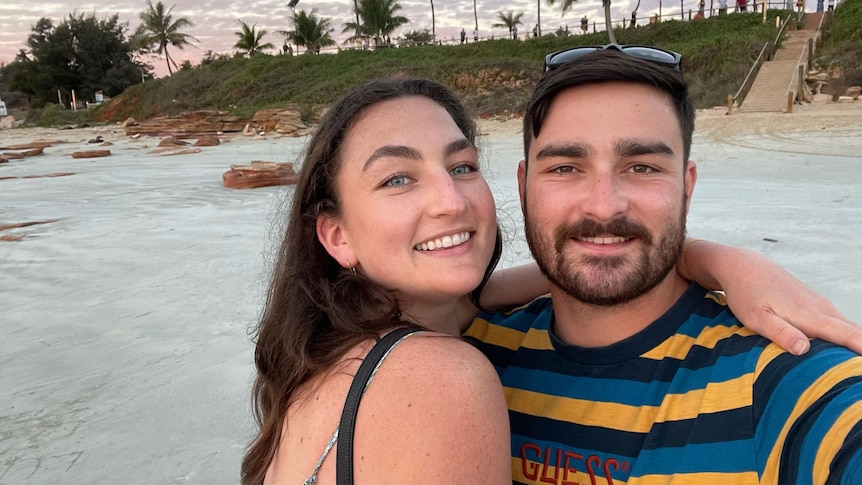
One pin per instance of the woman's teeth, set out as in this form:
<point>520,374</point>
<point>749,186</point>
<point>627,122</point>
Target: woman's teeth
<point>444,242</point>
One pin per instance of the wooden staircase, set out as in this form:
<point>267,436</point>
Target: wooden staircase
<point>780,76</point>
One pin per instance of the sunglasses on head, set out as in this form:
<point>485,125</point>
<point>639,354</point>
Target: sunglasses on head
<point>644,52</point>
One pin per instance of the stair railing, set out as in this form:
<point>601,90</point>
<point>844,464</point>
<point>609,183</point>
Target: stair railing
<point>766,54</point>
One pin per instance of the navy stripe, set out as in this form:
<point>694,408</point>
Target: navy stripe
<point>730,425</point>
<point>839,465</point>
<point>603,440</point>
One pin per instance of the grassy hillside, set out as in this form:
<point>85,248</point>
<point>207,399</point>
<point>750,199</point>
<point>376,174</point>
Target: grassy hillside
<point>841,44</point>
<point>492,76</point>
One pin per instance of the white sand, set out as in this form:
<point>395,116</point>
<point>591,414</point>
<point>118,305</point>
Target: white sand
<point>125,356</point>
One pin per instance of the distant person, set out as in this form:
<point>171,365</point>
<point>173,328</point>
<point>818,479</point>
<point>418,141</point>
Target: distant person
<point>722,7</point>
<point>560,32</point>
<point>742,5</point>
<point>515,32</point>
<point>287,49</point>
<point>701,5</point>
<point>475,35</point>
<point>585,24</point>
<point>535,31</point>
<point>819,6</point>
<point>463,36</point>
<point>831,5</point>
<point>634,19</point>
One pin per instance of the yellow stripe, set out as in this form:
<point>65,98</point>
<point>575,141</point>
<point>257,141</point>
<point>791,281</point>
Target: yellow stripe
<point>678,346</point>
<point>715,398</point>
<point>833,441</point>
<point>509,338</point>
<point>814,392</point>
<point>588,413</point>
<point>740,478</point>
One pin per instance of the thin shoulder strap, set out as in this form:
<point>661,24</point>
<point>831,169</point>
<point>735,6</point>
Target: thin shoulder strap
<point>344,453</point>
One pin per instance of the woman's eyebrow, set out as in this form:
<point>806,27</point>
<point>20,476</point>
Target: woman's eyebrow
<point>402,151</point>
<point>399,151</point>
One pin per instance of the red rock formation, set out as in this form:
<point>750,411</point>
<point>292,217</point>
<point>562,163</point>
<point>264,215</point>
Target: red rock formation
<point>259,174</point>
<point>91,154</point>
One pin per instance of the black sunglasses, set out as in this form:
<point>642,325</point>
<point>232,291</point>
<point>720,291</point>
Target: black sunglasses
<point>645,52</point>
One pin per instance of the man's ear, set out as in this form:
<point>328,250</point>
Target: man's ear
<point>690,181</point>
<point>522,180</point>
<point>333,238</point>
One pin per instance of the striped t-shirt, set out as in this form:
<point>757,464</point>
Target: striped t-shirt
<point>695,398</point>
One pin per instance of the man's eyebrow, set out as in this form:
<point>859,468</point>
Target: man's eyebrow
<point>633,148</point>
<point>402,151</point>
<point>568,150</point>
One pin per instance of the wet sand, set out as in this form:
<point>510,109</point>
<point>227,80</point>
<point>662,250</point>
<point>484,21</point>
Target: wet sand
<point>125,355</point>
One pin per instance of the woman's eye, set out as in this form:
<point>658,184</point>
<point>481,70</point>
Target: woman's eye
<point>463,169</point>
<point>397,181</point>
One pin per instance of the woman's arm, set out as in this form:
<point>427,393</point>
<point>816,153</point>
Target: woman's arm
<point>766,298</point>
<point>513,286</point>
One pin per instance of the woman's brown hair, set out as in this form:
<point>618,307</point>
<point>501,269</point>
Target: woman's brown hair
<point>315,309</point>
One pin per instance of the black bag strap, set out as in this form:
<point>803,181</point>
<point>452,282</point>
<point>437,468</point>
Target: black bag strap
<point>344,453</point>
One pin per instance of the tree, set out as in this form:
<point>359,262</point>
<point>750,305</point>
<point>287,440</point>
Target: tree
<point>378,18</point>
<point>509,20</point>
<point>159,29</point>
<point>567,4</point>
<point>310,31</point>
<point>82,53</point>
<point>433,22</point>
<point>476,16</point>
<point>416,37</point>
<point>249,40</point>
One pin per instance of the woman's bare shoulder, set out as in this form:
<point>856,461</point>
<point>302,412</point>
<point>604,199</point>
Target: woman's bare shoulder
<point>435,413</point>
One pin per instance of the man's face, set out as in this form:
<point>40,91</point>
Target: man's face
<point>605,194</point>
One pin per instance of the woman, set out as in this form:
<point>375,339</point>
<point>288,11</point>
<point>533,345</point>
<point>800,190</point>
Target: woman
<point>392,225</point>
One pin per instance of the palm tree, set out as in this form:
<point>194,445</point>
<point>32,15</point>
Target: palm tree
<point>509,20</point>
<point>310,31</point>
<point>476,16</point>
<point>567,4</point>
<point>433,23</point>
<point>539,18</point>
<point>249,40</point>
<point>379,19</point>
<point>160,29</point>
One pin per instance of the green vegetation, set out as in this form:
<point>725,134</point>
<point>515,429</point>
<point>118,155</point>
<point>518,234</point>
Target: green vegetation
<point>841,45</point>
<point>492,76</point>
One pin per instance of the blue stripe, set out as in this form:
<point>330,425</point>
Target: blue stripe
<point>783,382</point>
<point>731,457</point>
<point>846,469</point>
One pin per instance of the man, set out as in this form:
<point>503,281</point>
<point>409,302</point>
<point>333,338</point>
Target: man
<point>628,373</point>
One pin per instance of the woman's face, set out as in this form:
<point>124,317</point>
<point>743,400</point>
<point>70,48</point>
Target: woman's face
<point>416,215</point>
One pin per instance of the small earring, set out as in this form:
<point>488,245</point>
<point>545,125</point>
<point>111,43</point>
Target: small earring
<point>353,268</point>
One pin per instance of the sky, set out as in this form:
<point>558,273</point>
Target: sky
<point>216,21</point>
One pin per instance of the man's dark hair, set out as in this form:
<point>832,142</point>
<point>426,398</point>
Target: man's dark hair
<point>609,65</point>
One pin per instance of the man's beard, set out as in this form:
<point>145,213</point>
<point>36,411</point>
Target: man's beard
<point>603,281</point>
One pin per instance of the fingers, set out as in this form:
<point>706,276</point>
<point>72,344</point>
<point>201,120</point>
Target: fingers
<point>838,330</point>
<point>780,331</point>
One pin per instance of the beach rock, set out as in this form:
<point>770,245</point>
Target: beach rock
<point>7,122</point>
<point>172,142</point>
<point>91,154</point>
<point>853,92</point>
<point>26,153</point>
<point>129,122</point>
<point>207,141</point>
<point>259,174</point>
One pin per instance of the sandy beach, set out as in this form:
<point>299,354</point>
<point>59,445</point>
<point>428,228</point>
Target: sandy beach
<point>126,355</point>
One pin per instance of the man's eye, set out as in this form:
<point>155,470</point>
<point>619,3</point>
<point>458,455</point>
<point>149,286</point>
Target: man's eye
<point>642,169</point>
<point>564,169</point>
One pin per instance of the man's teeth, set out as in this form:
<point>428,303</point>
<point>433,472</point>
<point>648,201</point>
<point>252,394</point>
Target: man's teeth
<point>444,242</point>
<point>603,240</point>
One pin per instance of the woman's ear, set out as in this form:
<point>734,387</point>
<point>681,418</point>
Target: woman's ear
<point>331,235</point>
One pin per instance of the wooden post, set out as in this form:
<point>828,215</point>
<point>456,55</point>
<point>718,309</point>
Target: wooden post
<point>681,10</point>
<point>729,104</point>
<point>810,53</point>
<point>74,102</point>
<point>789,102</point>
<point>800,91</point>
